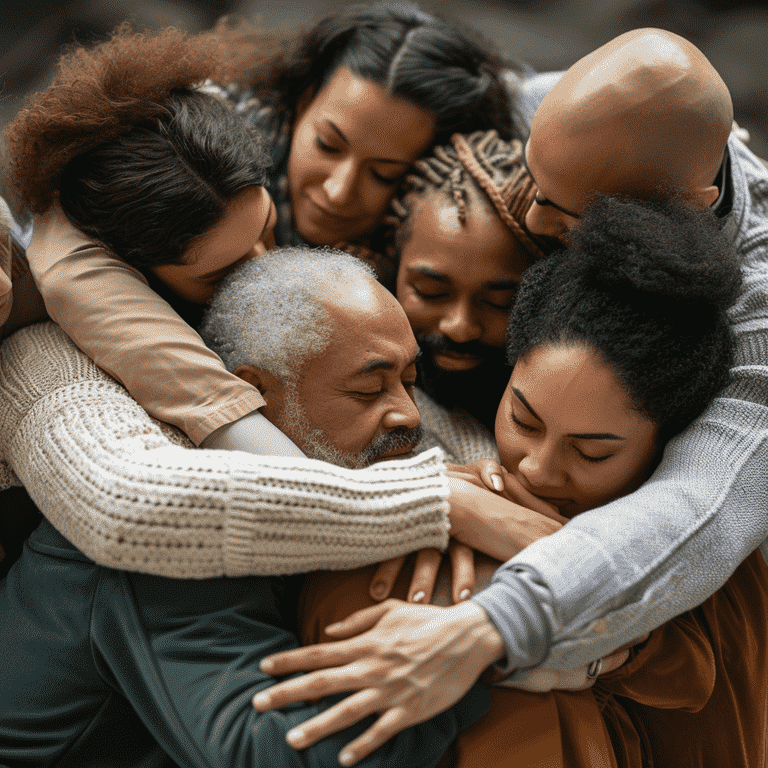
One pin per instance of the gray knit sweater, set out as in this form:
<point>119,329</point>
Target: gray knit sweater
<point>132,493</point>
<point>615,573</point>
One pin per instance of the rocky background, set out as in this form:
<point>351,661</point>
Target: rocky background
<point>545,34</point>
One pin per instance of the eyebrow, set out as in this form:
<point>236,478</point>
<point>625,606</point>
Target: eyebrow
<point>336,128</point>
<point>496,285</point>
<point>383,365</point>
<point>579,436</point>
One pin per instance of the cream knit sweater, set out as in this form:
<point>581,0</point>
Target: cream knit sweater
<point>133,494</point>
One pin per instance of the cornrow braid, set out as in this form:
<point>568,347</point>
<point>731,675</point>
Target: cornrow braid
<point>480,161</point>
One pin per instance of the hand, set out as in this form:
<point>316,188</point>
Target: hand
<point>411,662</point>
<point>490,475</point>
<point>495,525</point>
<point>544,679</point>
<point>425,572</point>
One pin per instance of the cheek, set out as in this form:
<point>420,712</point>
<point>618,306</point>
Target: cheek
<point>508,442</point>
<point>495,328</point>
<point>301,157</point>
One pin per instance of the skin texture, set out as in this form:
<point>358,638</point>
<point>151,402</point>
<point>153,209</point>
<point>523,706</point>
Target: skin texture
<point>574,394</point>
<point>360,387</point>
<point>244,232</point>
<point>567,431</point>
<point>644,111</point>
<point>439,291</point>
<point>352,143</point>
<point>644,115</point>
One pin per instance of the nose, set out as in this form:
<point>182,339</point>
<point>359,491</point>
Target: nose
<point>340,183</point>
<point>539,468</point>
<point>545,220</point>
<point>459,324</point>
<point>402,412</point>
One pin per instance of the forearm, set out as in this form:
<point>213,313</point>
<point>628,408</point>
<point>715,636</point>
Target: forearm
<point>115,484</point>
<point>615,573</point>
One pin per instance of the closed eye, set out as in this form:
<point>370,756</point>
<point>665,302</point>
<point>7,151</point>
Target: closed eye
<point>522,425</point>
<point>323,147</point>
<point>592,459</point>
<point>426,295</point>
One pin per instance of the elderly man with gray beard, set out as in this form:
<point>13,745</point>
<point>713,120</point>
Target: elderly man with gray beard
<point>123,668</point>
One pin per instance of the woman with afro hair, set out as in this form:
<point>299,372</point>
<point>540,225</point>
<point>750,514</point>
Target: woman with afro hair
<point>616,344</point>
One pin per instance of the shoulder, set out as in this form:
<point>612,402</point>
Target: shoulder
<point>462,437</point>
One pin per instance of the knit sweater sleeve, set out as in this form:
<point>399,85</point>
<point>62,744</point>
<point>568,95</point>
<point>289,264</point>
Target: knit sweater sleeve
<point>619,571</point>
<point>132,494</point>
<point>462,438</point>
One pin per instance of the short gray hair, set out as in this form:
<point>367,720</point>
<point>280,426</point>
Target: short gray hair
<point>269,313</point>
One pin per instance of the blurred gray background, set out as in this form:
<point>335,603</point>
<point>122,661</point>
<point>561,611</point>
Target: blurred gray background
<point>546,34</point>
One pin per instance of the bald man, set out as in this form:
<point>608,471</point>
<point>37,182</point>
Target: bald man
<point>647,116</point>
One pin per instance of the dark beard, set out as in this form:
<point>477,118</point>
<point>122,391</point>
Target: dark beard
<point>478,390</point>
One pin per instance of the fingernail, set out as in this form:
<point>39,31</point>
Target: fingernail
<point>346,758</point>
<point>266,665</point>
<point>379,589</point>
<point>261,700</point>
<point>418,597</point>
<point>295,737</point>
<point>464,594</point>
<point>498,485</point>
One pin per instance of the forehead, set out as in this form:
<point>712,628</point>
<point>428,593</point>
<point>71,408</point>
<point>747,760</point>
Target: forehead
<point>379,124</point>
<point>575,391</point>
<point>480,251</point>
<point>370,333</point>
<point>242,226</point>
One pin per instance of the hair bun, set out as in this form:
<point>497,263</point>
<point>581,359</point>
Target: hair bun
<point>668,250</point>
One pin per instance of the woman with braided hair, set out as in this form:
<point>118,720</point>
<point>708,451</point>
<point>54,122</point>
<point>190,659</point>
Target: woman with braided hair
<point>459,247</point>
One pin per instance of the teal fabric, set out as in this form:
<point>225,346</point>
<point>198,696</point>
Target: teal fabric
<point>110,668</point>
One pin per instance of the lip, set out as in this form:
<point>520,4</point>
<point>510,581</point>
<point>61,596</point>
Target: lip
<point>454,361</point>
<point>397,453</point>
<point>325,213</point>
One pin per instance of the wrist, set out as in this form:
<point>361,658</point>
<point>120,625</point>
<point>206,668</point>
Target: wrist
<point>487,644</point>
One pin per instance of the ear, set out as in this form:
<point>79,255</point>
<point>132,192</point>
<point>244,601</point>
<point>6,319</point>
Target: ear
<point>270,386</point>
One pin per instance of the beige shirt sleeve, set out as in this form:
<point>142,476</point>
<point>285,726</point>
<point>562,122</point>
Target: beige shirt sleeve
<point>107,308</point>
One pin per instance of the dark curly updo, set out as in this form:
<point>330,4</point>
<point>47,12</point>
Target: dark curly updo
<point>647,286</point>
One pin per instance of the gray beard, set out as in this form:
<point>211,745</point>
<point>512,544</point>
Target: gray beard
<point>316,445</point>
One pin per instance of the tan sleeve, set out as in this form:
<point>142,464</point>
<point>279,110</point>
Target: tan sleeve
<point>132,494</point>
<point>106,307</point>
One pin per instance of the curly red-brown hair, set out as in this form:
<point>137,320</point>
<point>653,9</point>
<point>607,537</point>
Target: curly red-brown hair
<point>98,93</point>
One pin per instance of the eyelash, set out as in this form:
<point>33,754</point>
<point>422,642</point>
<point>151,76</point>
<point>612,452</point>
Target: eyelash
<point>528,428</point>
<point>438,296</point>
<point>327,148</point>
<point>409,385</point>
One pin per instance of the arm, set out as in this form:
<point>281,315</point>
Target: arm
<point>189,670</point>
<point>131,494</point>
<point>106,307</point>
<point>601,581</point>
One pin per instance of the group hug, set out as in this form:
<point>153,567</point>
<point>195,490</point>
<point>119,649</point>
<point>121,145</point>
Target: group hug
<point>386,404</point>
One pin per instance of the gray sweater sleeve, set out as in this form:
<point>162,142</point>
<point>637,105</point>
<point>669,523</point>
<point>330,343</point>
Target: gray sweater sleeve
<point>617,572</point>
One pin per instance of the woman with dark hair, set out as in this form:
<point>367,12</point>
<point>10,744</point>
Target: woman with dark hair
<point>347,108</point>
<point>352,101</point>
<point>616,344</point>
<point>121,140</point>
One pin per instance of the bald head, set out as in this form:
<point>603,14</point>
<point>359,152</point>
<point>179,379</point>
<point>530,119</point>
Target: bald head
<point>643,113</point>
